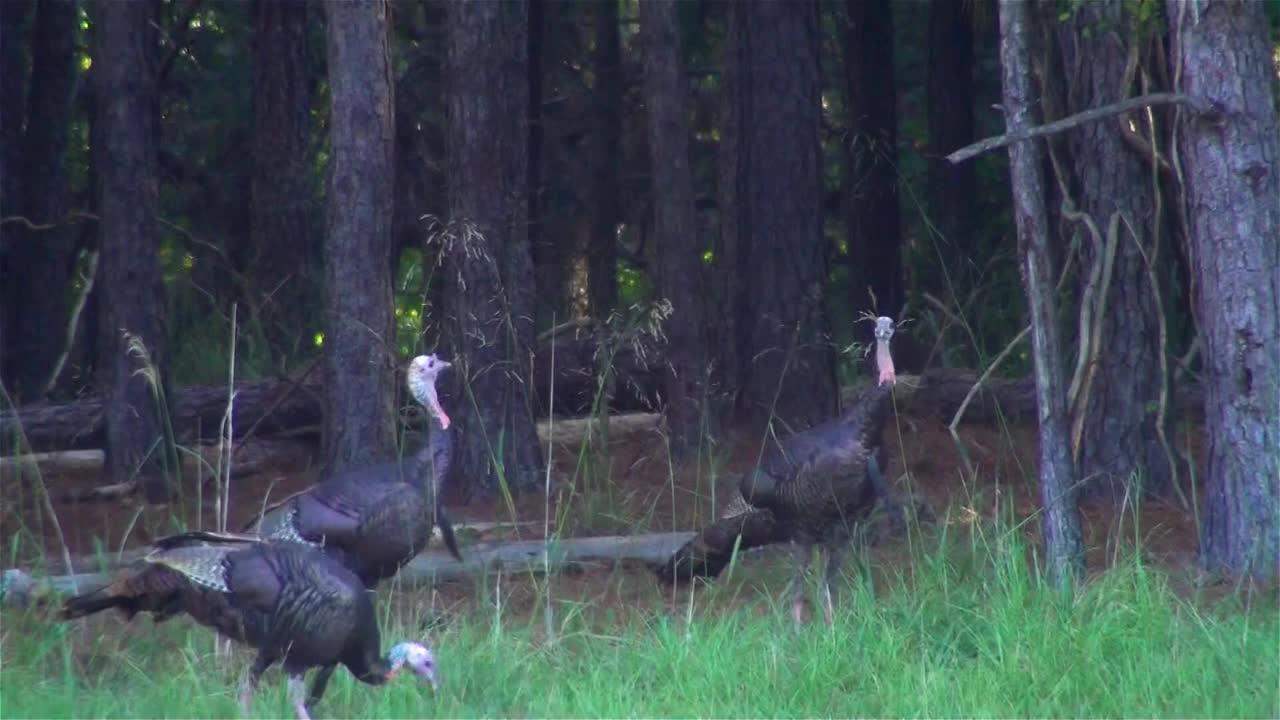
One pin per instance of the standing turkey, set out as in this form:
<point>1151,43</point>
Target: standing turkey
<point>376,519</point>
<point>290,601</point>
<point>807,489</point>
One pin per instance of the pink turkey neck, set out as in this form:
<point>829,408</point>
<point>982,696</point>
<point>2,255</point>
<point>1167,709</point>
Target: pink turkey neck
<point>424,390</point>
<point>884,362</point>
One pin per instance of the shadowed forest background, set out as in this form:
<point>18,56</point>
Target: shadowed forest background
<point>657,229</point>
<point>649,237</point>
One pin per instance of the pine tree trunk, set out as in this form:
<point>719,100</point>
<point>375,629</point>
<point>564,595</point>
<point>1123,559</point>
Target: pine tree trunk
<point>42,258</point>
<point>675,221</point>
<point>1064,545</point>
<point>133,294</point>
<point>359,342</point>
<point>875,237</point>
<point>282,265</point>
<point>1120,394</point>
<point>771,214</point>
<point>602,242</point>
<point>1231,164</point>
<point>489,272</point>
<point>13,84</point>
<point>952,189</point>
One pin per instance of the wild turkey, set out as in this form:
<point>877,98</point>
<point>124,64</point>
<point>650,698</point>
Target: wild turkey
<point>375,519</point>
<point>290,601</point>
<point>809,488</point>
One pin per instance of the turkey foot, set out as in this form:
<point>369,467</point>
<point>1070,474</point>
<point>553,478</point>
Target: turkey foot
<point>298,695</point>
<point>250,682</point>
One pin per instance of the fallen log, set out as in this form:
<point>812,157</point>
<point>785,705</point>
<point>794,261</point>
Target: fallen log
<point>252,457</point>
<point>277,455</point>
<point>939,392</point>
<point>19,588</point>
<point>281,406</point>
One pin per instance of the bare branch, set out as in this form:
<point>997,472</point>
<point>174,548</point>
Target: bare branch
<point>1072,121</point>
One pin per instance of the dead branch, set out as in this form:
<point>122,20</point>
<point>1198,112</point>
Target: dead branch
<point>533,556</point>
<point>1071,121</point>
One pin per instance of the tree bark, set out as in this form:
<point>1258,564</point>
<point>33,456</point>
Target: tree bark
<point>36,292</point>
<point>133,294</point>
<point>771,214</point>
<point>281,267</point>
<point>679,255</point>
<point>13,84</point>
<point>1064,545</point>
<point>489,273</point>
<point>952,189</point>
<point>1231,162</point>
<point>1120,393</point>
<point>602,243</point>
<point>875,237</point>
<point>359,422</point>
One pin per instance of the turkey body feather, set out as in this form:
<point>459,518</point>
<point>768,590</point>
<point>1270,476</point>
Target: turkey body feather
<point>293,603</point>
<point>375,519</point>
<point>807,489</point>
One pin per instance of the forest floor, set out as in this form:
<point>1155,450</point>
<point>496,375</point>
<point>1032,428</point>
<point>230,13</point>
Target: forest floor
<point>960,584</point>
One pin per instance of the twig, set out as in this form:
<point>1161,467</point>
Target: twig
<point>227,424</point>
<point>73,322</point>
<point>1071,121</point>
<point>982,379</point>
<point>73,215</point>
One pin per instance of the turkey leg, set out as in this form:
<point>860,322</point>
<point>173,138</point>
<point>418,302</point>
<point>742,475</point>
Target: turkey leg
<point>318,685</point>
<point>250,682</point>
<point>802,553</point>
<point>837,549</point>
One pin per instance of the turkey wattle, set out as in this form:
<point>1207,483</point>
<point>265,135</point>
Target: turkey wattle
<point>293,603</point>
<point>376,519</point>
<point>808,489</point>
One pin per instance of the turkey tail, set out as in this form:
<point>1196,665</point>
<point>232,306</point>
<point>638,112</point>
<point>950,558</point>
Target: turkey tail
<point>709,552</point>
<point>95,602</point>
<point>150,589</point>
<point>205,537</point>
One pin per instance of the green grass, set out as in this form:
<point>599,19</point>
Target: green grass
<point>971,633</point>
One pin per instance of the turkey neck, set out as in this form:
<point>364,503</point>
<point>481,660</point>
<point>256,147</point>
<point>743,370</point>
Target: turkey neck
<point>868,416</point>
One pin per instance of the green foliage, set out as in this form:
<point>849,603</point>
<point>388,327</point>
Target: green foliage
<point>973,633</point>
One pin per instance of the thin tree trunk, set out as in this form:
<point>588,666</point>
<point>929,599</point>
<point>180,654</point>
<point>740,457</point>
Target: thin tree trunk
<point>133,295</point>
<point>773,208</point>
<point>282,268</point>
<point>952,189</point>
<point>13,84</point>
<point>1064,545</point>
<point>675,221</point>
<point>1231,162</point>
<point>602,243</point>
<point>42,258</point>
<point>489,273</point>
<point>360,361</point>
<point>544,243</point>
<point>875,237</point>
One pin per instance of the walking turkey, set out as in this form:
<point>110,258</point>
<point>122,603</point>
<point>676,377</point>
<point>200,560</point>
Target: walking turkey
<point>376,519</point>
<point>809,488</point>
<point>290,601</point>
